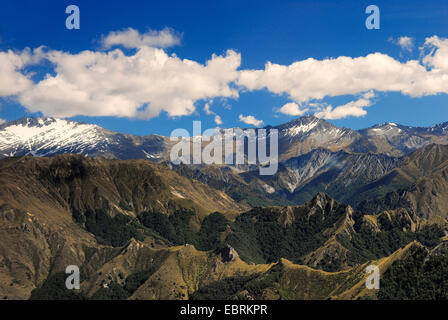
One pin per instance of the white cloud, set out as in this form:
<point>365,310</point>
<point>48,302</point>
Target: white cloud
<point>131,38</point>
<point>352,108</point>
<point>437,58</point>
<point>311,79</point>
<point>406,43</point>
<point>218,120</point>
<point>209,112</point>
<point>140,85</point>
<point>292,109</point>
<point>13,80</point>
<point>149,81</point>
<point>250,120</point>
<point>2,121</point>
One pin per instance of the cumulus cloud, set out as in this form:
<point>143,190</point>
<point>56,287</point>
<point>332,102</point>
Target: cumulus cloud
<point>149,81</point>
<point>250,120</point>
<point>13,80</point>
<point>131,38</point>
<point>218,120</point>
<point>139,85</point>
<point>2,121</point>
<point>437,58</point>
<point>292,109</point>
<point>352,108</point>
<point>312,79</point>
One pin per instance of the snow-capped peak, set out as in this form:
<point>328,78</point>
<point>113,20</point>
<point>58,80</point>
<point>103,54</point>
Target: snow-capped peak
<point>299,126</point>
<point>42,135</point>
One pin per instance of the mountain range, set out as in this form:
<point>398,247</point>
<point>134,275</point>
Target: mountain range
<point>315,156</point>
<point>140,227</point>
<point>50,136</point>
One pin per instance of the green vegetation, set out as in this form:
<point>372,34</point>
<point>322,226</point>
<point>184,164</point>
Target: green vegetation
<point>135,280</point>
<point>174,228</point>
<point>115,231</point>
<point>223,289</point>
<point>177,230</point>
<point>367,244</point>
<point>115,291</point>
<point>159,223</point>
<point>230,288</point>
<point>421,276</point>
<point>112,292</point>
<point>54,288</point>
<point>269,279</point>
<point>259,237</point>
<point>209,236</point>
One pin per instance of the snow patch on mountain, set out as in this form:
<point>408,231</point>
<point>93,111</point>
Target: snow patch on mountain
<point>386,129</point>
<point>300,128</point>
<point>42,135</point>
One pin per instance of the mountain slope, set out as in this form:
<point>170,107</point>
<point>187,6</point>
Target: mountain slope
<point>77,183</point>
<point>326,234</point>
<point>397,140</point>
<point>420,185</point>
<point>40,238</point>
<point>50,136</point>
<point>339,174</point>
<point>288,281</point>
<point>137,271</point>
<point>307,133</point>
<point>59,211</point>
<point>416,182</point>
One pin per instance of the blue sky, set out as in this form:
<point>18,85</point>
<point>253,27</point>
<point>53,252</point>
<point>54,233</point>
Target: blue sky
<point>282,32</point>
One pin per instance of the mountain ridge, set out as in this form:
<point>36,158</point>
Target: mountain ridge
<point>47,136</point>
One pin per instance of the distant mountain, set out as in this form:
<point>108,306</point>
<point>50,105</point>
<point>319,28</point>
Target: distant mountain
<point>397,140</point>
<point>419,184</point>
<point>370,182</point>
<point>351,166</point>
<point>340,174</point>
<point>80,184</point>
<point>50,136</point>
<point>307,133</point>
